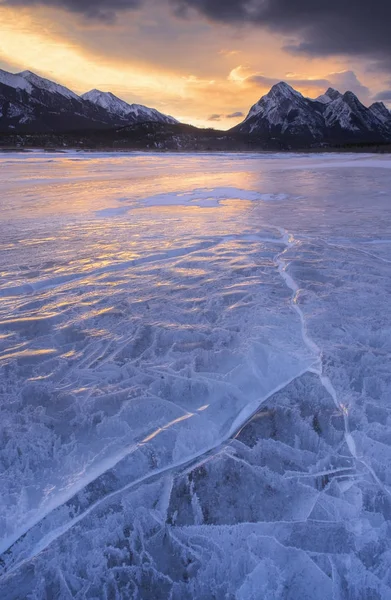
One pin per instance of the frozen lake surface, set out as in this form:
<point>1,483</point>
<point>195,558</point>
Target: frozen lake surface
<point>195,376</point>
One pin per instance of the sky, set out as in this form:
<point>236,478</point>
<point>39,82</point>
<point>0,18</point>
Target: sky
<point>205,62</point>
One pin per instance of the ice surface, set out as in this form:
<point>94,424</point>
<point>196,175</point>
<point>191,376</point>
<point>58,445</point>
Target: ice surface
<point>203,198</point>
<point>195,376</point>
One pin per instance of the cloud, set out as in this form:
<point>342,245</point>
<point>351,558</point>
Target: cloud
<point>234,115</point>
<point>319,28</point>
<point>348,81</point>
<point>343,81</point>
<point>105,10</point>
<point>324,28</point>
<point>384,96</point>
<point>263,81</point>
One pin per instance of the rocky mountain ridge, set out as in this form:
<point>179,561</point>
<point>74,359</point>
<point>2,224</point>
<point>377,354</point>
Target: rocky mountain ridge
<point>285,114</point>
<point>282,119</point>
<point>30,103</point>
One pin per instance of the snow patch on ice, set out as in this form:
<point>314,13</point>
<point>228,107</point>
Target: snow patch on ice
<point>202,197</point>
<point>199,197</point>
<point>112,212</point>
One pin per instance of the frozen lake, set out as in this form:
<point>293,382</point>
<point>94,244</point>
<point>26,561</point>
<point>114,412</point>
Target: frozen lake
<point>195,376</point>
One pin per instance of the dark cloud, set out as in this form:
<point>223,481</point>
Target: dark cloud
<point>384,96</point>
<point>105,10</point>
<point>324,27</point>
<point>235,115</point>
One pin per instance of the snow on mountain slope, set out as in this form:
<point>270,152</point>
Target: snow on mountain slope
<point>120,108</point>
<point>283,110</point>
<point>381,112</point>
<point>17,111</point>
<point>108,101</point>
<point>329,96</point>
<point>284,114</point>
<point>47,85</point>
<point>270,104</point>
<point>15,81</point>
<point>26,98</point>
<point>348,113</point>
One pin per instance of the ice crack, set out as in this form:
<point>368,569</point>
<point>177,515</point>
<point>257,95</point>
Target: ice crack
<point>290,241</point>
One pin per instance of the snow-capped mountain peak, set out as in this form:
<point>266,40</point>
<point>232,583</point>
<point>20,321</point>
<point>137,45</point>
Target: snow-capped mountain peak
<point>381,112</point>
<point>120,108</point>
<point>283,89</point>
<point>94,95</point>
<point>352,99</point>
<point>283,109</point>
<point>278,93</point>
<point>47,85</point>
<point>30,102</point>
<point>285,114</point>
<point>349,114</point>
<point>108,101</point>
<point>14,81</point>
<point>330,95</point>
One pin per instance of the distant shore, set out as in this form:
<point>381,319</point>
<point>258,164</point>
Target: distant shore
<point>359,149</point>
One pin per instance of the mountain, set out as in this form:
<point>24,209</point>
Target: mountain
<point>329,96</point>
<point>29,103</point>
<point>14,81</point>
<point>382,113</point>
<point>45,85</point>
<point>333,118</point>
<point>347,116</point>
<point>132,113</point>
<point>283,118</point>
<point>284,113</point>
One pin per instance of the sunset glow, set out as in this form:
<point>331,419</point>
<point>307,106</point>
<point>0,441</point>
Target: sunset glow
<point>201,74</point>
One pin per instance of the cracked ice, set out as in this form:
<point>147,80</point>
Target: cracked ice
<point>195,376</point>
